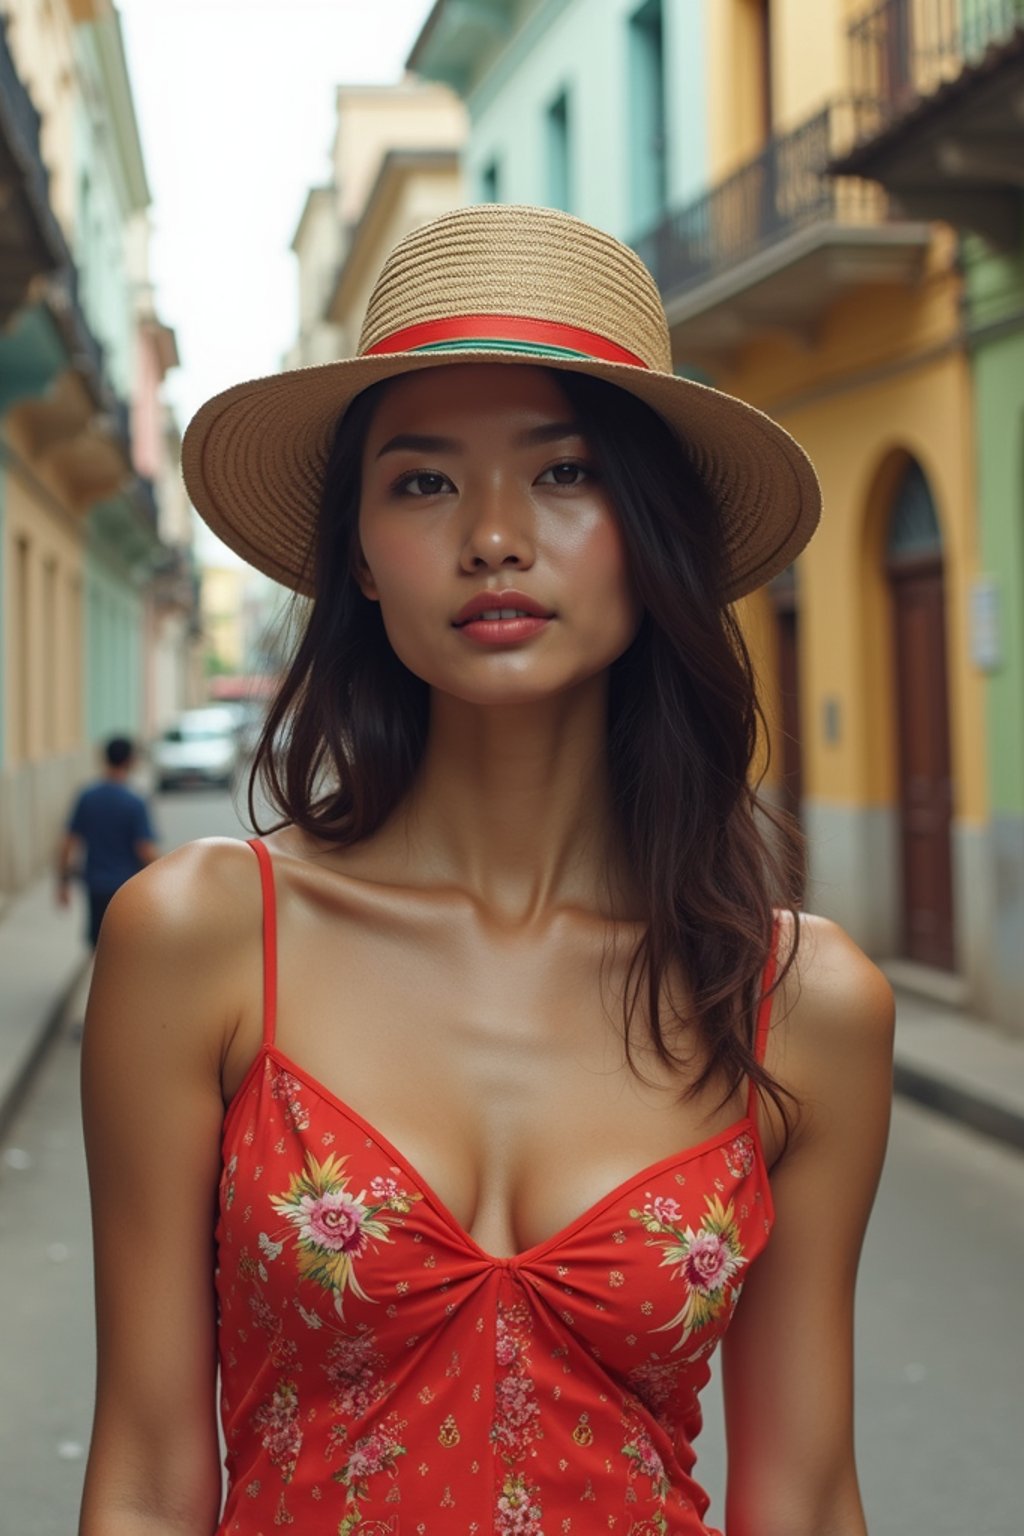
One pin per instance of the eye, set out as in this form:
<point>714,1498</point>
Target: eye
<point>568,473</point>
<point>422,482</point>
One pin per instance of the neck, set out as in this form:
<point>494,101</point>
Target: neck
<point>513,803</point>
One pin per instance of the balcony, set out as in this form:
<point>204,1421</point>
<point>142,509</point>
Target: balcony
<point>31,241</point>
<point>456,36</point>
<point>771,246</point>
<point>939,121</point>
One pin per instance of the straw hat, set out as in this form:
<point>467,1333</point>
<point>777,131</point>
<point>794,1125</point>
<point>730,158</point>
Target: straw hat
<point>494,284</point>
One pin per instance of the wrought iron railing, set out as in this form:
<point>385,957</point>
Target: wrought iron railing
<point>21,124</point>
<point>901,51</point>
<point>59,287</point>
<point>779,191</point>
<point>144,497</point>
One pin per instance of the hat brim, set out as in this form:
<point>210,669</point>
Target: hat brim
<point>254,458</point>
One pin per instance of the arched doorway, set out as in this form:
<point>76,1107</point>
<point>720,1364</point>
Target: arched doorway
<point>914,566</point>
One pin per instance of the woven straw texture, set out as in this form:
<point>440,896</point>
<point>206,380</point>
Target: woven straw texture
<point>254,456</point>
<point>557,268</point>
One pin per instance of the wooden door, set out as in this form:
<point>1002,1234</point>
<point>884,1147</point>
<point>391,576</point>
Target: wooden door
<point>925,775</point>
<point>790,754</point>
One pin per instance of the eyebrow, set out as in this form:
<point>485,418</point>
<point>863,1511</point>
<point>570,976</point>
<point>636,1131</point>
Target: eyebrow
<point>415,442</point>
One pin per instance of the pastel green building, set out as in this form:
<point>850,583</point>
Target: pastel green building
<point>995,309</point>
<point>738,147</point>
<point>111,192</point>
<point>568,102</point>
<point>956,156</point>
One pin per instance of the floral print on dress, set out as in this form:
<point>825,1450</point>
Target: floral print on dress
<point>706,1259</point>
<point>334,1227</point>
<point>354,1369</point>
<point>282,1433</point>
<point>648,1482</point>
<point>516,1422</point>
<point>286,1088</point>
<point>739,1155</point>
<point>657,1385</point>
<point>535,1395</point>
<point>371,1455</point>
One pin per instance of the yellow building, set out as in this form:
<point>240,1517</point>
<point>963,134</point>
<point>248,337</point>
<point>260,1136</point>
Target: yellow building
<point>702,132</point>
<point>818,301</point>
<point>395,164</point>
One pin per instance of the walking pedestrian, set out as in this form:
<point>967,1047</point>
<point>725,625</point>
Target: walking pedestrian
<point>506,1057</point>
<point>109,836</point>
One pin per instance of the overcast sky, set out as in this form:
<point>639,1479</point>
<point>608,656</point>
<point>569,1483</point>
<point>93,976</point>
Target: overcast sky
<point>235,106</point>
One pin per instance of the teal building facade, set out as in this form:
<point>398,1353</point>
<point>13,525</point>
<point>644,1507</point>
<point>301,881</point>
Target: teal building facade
<point>568,103</point>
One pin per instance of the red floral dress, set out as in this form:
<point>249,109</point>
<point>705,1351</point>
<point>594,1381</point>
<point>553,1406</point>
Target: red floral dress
<point>382,1375</point>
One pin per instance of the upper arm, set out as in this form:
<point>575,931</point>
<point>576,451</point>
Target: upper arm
<point>788,1355</point>
<point>169,984</point>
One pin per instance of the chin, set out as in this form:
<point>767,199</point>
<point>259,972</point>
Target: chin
<point>507,691</point>
<point>493,685</point>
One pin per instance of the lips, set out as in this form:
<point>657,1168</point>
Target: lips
<point>505,604</point>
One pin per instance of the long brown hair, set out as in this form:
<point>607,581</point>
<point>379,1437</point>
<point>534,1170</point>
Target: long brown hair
<point>709,857</point>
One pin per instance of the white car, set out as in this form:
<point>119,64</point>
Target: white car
<point>201,747</point>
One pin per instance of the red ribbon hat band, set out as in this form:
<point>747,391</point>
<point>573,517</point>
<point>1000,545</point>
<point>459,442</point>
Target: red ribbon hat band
<point>505,333</point>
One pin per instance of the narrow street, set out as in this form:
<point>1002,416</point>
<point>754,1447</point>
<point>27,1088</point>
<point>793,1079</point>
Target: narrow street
<point>940,1355</point>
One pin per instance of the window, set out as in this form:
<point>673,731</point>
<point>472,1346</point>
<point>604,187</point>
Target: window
<point>558,154</point>
<point>648,171</point>
<point>490,183</point>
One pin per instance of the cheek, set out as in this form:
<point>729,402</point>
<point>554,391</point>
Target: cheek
<point>401,562</point>
<point>598,566</point>
<point>406,570</point>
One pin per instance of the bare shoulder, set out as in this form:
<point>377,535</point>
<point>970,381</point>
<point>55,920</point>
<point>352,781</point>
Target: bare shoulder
<point>835,982</point>
<point>204,894</point>
<point>179,952</point>
<point>835,1025</point>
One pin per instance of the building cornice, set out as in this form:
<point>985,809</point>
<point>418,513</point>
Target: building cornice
<point>395,167</point>
<point>106,41</point>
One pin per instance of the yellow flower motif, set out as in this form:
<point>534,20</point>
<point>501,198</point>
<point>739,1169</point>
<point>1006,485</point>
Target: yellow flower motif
<point>706,1260</point>
<point>334,1227</point>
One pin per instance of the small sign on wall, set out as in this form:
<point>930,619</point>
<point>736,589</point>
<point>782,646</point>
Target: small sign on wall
<point>986,630</point>
<point>831,720</point>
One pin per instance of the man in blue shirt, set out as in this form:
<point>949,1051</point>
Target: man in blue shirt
<point>111,822</point>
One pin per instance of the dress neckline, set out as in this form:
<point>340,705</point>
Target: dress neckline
<point>526,1256</point>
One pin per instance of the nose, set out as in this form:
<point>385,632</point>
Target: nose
<point>499,532</point>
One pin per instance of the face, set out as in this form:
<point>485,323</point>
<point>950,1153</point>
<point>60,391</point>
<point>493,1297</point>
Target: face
<point>488,538</point>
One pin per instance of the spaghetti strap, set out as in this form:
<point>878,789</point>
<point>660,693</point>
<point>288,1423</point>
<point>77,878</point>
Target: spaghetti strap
<point>764,1014</point>
<point>269,939</point>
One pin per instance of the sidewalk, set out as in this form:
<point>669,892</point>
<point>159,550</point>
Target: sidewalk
<point>43,955</point>
<point>955,1065</point>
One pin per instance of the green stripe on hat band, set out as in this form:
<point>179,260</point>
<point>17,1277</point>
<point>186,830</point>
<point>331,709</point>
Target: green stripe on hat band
<point>491,344</point>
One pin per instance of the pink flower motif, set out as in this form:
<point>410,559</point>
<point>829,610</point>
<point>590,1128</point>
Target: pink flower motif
<point>279,1420</point>
<point>649,1460</point>
<point>505,1349</point>
<point>383,1189</point>
<point>374,1453</point>
<point>334,1222</point>
<point>709,1263</point>
<point>370,1455</point>
<point>739,1155</point>
<point>665,1209</point>
<point>353,1369</point>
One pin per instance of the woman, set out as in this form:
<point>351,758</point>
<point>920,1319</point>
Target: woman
<point>484,1099</point>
